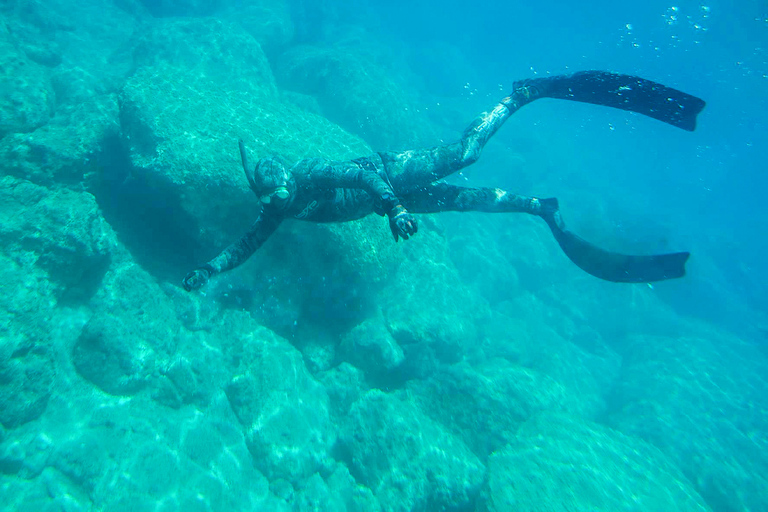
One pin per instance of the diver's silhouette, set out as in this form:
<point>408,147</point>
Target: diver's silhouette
<point>397,184</point>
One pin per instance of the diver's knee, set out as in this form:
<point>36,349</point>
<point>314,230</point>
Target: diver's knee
<point>470,153</point>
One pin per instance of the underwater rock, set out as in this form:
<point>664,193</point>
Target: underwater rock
<point>356,497</point>
<point>429,312</point>
<point>27,372</point>
<point>344,385</point>
<point>186,149</point>
<point>485,403</point>
<point>184,459</point>
<point>67,149</point>
<point>371,347</point>
<point>268,21</point>
<point>205,47</point>
<point>314,495</point>
<point>527,332</point>
<point>409,461</point>
<point>700,398</point>
<point>358,93</point>
<point>62,231</point>
<point>28,100</point>
<point>560,463</point>
<point>129,337</point>
<point>42,495</point>
<point>86,41</point>
<point>283,410</point>
<point>173,8</point>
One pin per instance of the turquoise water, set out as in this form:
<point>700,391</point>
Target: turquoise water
<point>471,368</point>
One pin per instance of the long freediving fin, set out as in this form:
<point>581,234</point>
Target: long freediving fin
<point>624,92</point>
<point>611,266</point>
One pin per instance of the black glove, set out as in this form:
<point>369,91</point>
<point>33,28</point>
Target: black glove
<point>402,223</point>
<point>197,278</point>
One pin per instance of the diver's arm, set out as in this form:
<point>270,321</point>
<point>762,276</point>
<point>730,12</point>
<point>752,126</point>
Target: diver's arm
<point>350,175</point>
<point>236,253</point>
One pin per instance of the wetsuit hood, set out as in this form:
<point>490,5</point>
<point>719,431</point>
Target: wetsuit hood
<point>271,180</point>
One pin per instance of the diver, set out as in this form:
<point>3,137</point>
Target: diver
<point>399,184</point>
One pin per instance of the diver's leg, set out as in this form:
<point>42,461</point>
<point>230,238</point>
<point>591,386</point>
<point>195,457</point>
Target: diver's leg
<point>442,197</point>
<point>410,170</point>
<point>610,266</point>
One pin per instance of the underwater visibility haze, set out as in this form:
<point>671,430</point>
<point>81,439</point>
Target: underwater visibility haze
<point>443,334</point>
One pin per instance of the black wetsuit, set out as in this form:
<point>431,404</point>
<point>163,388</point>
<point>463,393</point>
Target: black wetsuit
<point>331,191</point>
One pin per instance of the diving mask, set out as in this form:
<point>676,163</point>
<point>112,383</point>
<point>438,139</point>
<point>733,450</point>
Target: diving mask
<point>280,193</point>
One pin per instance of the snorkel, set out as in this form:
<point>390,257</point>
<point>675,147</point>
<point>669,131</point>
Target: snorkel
<point>270,180</point>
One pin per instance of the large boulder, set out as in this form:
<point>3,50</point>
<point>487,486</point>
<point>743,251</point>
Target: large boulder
<point>132,334</point>
<point>268,21</point>
<point>69,149</point>
<point>484,404</point>
<point>56,249</point>
<point>219,50</point>
<point>181,132</point>
<point>27,365</point>
<point>62,231</point>
<point>409,461</point>
<point>558,463</point>
<point>183,459</point>
<point>27,101</point>
<point>283,411</point>
<point>358,92</point>
<point>371,347</point>
<point>701,399</point>
<point>431,314</point>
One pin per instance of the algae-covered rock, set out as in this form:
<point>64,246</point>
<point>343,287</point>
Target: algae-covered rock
<point>183,459</point>
<point>27,100</point>
<point>131,335</point>
<point>371,347</point>
<point>358,92</point>
<point>701,399</point>
<point>409,461</point>
<point>162,8</point>
<point>428,310</point>
<point>314,495</point>
<point>268,21</point>
<point>85,43</point>
<point>356,497</point>
<point>27,373</point>
<point>63,231</point>
<point>67,148</point>
<point>525,331</point>
<point>208,47</point>
<point>344,385</point>
<point>182,132</point>
<point>283,410</point>
<point>485,403</point>
<point>561,463</point>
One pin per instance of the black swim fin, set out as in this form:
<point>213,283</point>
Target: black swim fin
<point>624,92</point>
<point>611,266</point>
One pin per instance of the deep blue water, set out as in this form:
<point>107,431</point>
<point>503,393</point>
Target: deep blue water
<point>472,368</point>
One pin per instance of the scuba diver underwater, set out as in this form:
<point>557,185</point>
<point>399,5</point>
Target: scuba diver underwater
<point>400,184</point>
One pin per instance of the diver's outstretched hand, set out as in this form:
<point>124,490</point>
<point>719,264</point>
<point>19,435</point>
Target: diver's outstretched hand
<point>197,278</point>
<point>401,223</point>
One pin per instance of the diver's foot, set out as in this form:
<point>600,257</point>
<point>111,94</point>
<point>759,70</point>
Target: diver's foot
<point>548,206</point>
<point>524,92</point>
<point>549,210</point>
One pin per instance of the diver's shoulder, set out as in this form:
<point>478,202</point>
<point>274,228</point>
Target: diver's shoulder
<point>307,164</point>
